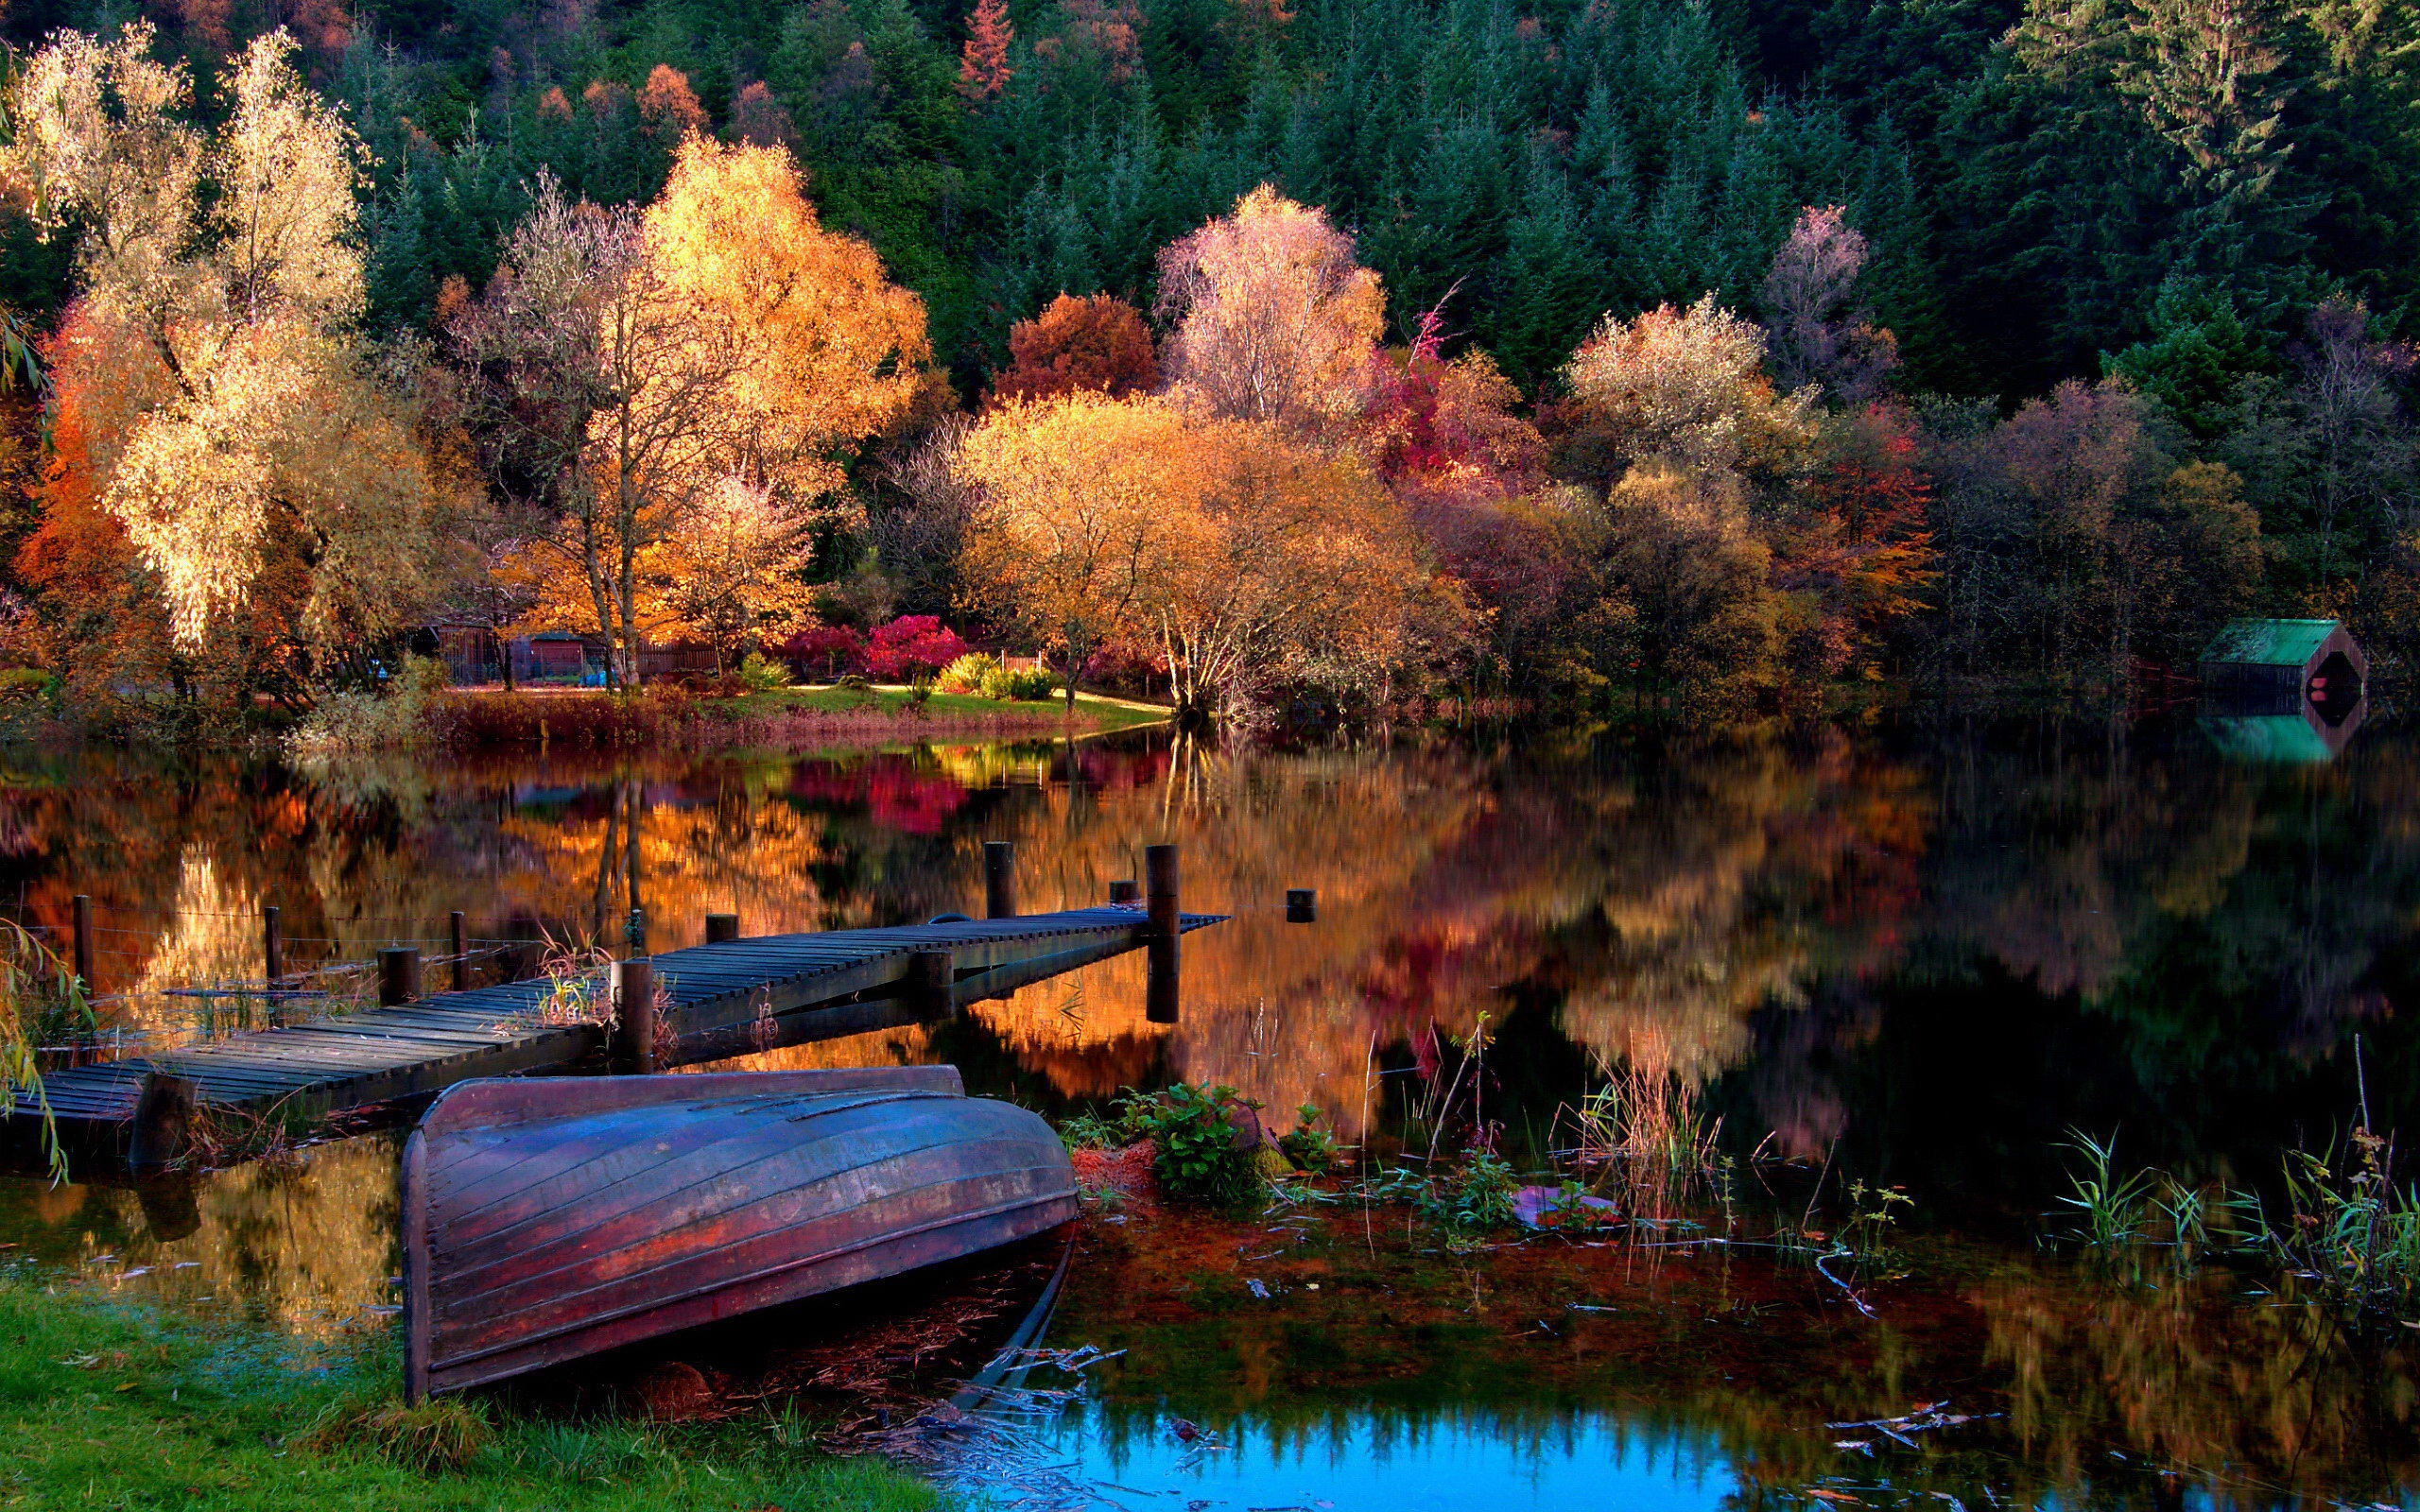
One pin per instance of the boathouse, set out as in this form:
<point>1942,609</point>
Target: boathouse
<point>2286,665</point>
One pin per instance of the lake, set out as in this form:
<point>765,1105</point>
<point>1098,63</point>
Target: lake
<point>1911,956</point>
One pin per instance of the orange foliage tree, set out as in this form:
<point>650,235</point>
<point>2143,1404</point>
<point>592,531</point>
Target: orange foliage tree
<point>626,370</point>
<point>1855,549</point>
<point>1248,559</point>
<point>1096,343</point>
<point>983,68</point>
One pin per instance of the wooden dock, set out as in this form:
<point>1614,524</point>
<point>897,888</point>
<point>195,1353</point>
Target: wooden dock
<point>713,1002</point>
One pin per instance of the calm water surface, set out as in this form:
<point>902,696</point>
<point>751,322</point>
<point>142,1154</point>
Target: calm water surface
<point>1921,956</point>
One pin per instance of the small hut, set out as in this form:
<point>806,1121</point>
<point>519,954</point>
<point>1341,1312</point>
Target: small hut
<point>2285,666</point>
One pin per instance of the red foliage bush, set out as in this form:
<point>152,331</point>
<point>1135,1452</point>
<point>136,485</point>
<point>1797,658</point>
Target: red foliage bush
<point>586,720</point>
<point>912,645</point>
<point>824,648</point>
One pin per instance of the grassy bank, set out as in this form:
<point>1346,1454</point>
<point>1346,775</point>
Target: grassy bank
<point>794,719</point>
<point>104,1407</point>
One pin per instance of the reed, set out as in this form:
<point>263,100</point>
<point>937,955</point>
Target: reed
<point>1644,1141</point>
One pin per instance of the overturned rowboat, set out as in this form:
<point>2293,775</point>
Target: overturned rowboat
<point>553,1218</point>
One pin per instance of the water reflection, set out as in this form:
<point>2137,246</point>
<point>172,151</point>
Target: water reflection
<point>1922,956</point>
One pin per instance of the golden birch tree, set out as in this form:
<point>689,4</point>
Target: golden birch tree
<point>272,453</point>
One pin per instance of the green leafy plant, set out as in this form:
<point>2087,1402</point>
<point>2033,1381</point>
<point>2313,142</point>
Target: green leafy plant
<point>1311,1147</point>
<point>1091,1130</point>
<point>759,673</point>
<point>1476,1197</point>
<point>1197,1154</point>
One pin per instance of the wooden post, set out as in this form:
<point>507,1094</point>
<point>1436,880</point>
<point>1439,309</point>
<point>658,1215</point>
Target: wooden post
<point>460,940</point>
<point>721,929</point>
<point>1126,891</point>
<point>634,1025</point>
<point>273,943</point>
<point>163,1121</point>
<point>398,975</point>
<point>932,983</point>
<point>999,878</point>
<point>1302,905</point>
<point>1163,934</point>
<point>83,939</point>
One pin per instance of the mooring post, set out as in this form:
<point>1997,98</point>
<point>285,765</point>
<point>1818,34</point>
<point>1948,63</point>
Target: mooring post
<point>163,1124</point>
<point>634,1025</point>
<point>398,975</point>
<point>721,929</point>
<point>83,939</point>
<point>1125,892</point>
<point>460,939</point>
<point>999,878</point>
<point>1163,931</point>
<point>273,943</point>
<point>932,983</point>
<point>1302,905</point>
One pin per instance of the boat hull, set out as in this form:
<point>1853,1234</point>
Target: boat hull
<point>545,1220</point>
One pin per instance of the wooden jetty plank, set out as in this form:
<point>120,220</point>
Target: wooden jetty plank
<point>728,998</point>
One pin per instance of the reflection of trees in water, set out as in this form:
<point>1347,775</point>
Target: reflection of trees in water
<point>1697,909</point>
<point>304,1247</point>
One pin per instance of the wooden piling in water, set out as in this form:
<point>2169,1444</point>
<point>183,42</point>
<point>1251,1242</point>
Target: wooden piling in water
<point>273,943</point>
<point>460,940</point>
<point>932,983</point>
<point>1165,929</point>
<point>398,975</point>
<point>636,1049</point>
<point>999,878</point>
<point>721,929</point>
<point>1302,905</point>
<point>1126,892</point>
<point>83,939</point>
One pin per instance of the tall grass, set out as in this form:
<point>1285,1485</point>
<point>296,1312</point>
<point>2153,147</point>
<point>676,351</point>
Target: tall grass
<point>2336,1221</point>
<point>1644,1141</point>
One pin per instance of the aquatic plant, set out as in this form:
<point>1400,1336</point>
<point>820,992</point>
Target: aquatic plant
<point>1201,1154</point>
<point>2346,1228</point>
<point>1474,1196</point>
<point>1644,1137</point>
<point>1312,1148</point>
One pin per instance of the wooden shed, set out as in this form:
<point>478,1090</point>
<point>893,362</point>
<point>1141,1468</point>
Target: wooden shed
<point>2285,666</point>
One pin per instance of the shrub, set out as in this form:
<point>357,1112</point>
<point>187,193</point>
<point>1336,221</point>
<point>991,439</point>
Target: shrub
<point>911,646</point>
<point>824,648</point>
<point>396,717</point>
<point>1020,684</point>
<point>759,673</point>
<point>1198,1154</point>
<point>968,673</point>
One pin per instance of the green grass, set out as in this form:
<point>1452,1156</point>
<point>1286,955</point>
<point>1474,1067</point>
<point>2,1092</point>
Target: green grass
<point>1098,711</point>
<point>106,1406</point>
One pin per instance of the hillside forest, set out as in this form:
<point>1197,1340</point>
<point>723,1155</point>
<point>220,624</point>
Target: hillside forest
<point>1714,357</point>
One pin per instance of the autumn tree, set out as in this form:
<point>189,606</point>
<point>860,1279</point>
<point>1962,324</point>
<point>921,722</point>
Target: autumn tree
<point>268,451</point>
<point>735,575</point>
<point>1853,544</point>
<point>626,368</point>
<point>1818,332</point>
<point>1068,539</point>
<point>1686,387</point>
<point>1097,343</point>
<point>1271,317</point>
<point>1702,617</point>
<point>983,68</point>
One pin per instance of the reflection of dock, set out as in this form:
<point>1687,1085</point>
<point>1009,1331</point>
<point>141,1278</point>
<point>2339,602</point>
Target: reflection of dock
<point>707,1002</point>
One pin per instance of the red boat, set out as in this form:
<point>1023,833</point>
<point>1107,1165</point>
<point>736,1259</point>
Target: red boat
<point>552,1218</point>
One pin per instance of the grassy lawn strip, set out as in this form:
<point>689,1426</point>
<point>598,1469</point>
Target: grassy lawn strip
<point>1093,708</point>
<point>103,1405</point>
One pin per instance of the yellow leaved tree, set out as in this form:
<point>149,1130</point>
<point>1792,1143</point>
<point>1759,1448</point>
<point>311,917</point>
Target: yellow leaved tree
<point>220,270</point>
<point>628,371</point>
